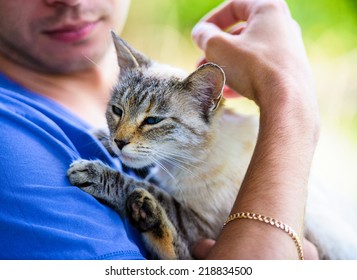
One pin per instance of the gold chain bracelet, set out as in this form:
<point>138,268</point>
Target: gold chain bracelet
<point>270,221</point>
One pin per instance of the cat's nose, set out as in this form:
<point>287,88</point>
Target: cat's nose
<point>121,143</point>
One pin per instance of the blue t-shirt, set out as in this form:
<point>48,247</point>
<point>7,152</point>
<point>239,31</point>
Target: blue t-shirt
<point>41,215</point>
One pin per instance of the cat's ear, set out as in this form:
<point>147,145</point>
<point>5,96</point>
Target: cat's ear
<point>128,57</point>
<point>206,84</point>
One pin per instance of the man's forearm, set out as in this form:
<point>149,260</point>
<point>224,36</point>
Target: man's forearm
<point>275,185</point>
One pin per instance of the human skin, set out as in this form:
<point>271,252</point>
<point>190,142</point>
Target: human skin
<point>264,59</point>
<point>62,49</point>
<point>58,37</point>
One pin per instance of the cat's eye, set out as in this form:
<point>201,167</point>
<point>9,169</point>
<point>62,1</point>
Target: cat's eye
<point>117,111</point>
<point>152,120</point>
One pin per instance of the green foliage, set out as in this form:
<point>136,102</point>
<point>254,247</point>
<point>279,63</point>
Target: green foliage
<point>191,11</point>
<point>332,23</point>
<point>180,14</point>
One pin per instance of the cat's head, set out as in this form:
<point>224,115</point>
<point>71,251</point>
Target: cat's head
<point>159,115</point>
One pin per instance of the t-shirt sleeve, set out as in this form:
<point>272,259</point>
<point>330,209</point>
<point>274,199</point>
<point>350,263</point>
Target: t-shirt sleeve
<point>42,216</point>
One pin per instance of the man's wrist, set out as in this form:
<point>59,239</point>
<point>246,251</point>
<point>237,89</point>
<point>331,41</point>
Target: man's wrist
<point>293,112</point>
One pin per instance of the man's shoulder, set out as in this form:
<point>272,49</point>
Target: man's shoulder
<point>51,218</point>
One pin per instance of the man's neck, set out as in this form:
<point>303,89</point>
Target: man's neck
<point>84,93</point>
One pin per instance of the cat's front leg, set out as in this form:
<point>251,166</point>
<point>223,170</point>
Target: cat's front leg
<point>98,180</point>
<point>137,200</point>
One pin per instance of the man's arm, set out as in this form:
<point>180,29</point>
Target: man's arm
<point>264,60</point>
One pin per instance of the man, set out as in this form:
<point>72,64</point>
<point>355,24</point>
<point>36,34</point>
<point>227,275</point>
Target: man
<point>57,66</point>
<point>61,57</point>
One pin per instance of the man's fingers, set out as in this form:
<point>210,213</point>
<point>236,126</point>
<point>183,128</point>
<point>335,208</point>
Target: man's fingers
<point>229,13</point>
<point>310,250</point>
<point>203,31</point>
<point>237,29</point>
<point>232,12</point>
<point>201,61</point>
<point>230,93</point>
<point>202,248</point>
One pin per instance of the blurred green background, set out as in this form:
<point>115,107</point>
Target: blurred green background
<point>162,28</point>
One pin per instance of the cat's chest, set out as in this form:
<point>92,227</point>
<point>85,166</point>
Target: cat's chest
<point>210,186</point>
<point>211,193</point>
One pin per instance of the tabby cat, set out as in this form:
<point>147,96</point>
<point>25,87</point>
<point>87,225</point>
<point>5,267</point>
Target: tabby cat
<point>161,116</point>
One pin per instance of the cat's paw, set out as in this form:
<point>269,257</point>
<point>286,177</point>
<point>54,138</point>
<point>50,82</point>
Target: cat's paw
<point>143,210</point>
<point>87,175</point>
<point>147,215</point>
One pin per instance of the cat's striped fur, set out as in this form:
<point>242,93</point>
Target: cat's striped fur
<point>159,115</point>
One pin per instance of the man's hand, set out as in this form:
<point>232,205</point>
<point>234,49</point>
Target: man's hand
<point>261,53</point>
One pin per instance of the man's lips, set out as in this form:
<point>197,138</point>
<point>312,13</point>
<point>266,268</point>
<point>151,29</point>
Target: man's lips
<point>71,32</point>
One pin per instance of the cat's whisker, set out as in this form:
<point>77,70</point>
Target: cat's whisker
<point>178,186</point>
<point>187,159</point>
<point>182,156</point>
<point>159,164</point>
<point>172,157</point>
<point>175,163</point>
<point>182,162</point>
